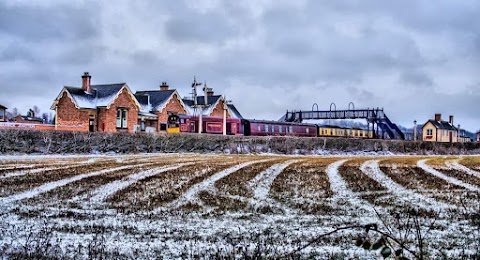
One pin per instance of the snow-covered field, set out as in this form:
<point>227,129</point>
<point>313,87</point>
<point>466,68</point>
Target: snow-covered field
<point>238,206</point>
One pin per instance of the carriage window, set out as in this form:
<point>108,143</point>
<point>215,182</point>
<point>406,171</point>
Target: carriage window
<point>279,128</point>
<point>266,128</point>
<point>291,129</point>
<point>259,128</point>
<point>273,129</point>
<point>307,130</point>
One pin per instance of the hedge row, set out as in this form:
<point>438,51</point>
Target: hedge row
<point>51,142</point>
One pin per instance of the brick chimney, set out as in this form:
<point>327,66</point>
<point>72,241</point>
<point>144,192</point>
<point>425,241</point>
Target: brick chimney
<point>86,82</point>
<point>438,117</point>
<point>209,92</point>
<point>164,86</point>
<point>450,120</point>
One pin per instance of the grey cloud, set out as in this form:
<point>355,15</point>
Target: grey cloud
<point>292,54</point>
<point>42,23</point>
<point>207,28</point>
<point>416,78</point>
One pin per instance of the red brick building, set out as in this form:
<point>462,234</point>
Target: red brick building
<point>106,108</point>
<point>156,104</point>
<point>28,119</point>
<point>114,108</point>
<point>3,115</point>
<point>213,106</point>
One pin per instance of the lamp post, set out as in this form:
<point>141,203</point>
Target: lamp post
<point>56,114</point>
<point>414,130</point>
<point>458,134</point>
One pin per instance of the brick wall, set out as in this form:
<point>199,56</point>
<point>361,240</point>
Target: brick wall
<point>108,117</point>
<point>68,114</point>
<point>218,110</point>
<point>173,105</point>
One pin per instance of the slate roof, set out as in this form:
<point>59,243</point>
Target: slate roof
<point>101,96</point>
<point>211,100</point>
<point>442,125</point>
<point>158,99</point>
<point>32,119</point>
<point>234,111</point>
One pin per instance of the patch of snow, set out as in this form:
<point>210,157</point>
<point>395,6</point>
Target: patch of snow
<point>191,195</point>
<point>372,169</point>
<point>264,180</point>
<point>52,185</point>
<point>344,197</point>
<point>103,192</point>
<point>440,175</point>
<point>457,166</point>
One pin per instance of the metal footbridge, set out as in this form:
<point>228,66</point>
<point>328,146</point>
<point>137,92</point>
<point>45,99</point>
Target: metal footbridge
<point>374,116</point>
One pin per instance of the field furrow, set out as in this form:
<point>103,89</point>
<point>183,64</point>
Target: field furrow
<point>191,195</point>
<point>191,206</point>
<point>403,197</point>
<point>447,177</point>
<point>457,166</point>
<point>304,186</point>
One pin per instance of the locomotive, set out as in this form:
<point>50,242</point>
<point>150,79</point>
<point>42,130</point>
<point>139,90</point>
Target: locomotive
<point>252,127</point>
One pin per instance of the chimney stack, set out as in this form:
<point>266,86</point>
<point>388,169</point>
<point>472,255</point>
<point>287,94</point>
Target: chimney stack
<point>86,82</point>
<point>450,120</point>
<point>438,117</point>
<point>210,92</point>
<point>164,86</point>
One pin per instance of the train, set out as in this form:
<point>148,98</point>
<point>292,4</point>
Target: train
<point>252,127</point>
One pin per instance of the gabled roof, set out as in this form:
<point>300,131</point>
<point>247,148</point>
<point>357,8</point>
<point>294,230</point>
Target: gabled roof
<point>101,95</point>
<point>3,107</point>
<point>211,101</point>
<point>156,100</point>
<point>234,112</point>
<point>441,125</point>
<point>26,118</point>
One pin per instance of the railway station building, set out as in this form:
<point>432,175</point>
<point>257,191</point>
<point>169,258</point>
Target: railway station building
<point>437,130</point>
<point>115,108</point>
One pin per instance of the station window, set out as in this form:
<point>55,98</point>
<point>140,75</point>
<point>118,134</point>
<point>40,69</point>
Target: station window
<point>429,132</point>
<point>122,118</point>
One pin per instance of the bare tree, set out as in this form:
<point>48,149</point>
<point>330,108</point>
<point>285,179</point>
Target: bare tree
<point>15,112</point>
<point>36,110</point>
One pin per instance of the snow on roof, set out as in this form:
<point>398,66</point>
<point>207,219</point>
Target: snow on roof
<point>101,95</point>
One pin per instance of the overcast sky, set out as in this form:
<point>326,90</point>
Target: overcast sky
<point>414,58</point>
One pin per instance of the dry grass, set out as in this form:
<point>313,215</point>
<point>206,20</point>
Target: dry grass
<point>25,182</point>
<point>403,160</point>
<point>156,191</point>
<point>304,185</point>
<point>414,177</point>
<point>236,183</point>
<point>472,162</point>
<point>358,181</point>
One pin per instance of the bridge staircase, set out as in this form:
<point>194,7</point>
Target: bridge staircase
<point>373,116</point>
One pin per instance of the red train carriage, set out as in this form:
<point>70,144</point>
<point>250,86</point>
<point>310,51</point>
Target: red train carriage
<point>275,128</point>
<point>210,125</point>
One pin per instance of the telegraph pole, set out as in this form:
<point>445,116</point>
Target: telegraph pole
<point>197,105</point>
<point>225,108</point>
